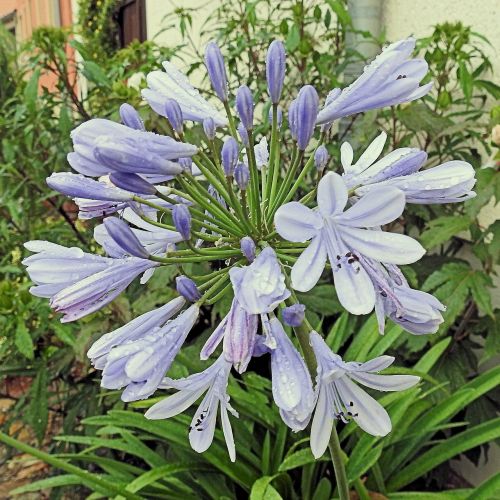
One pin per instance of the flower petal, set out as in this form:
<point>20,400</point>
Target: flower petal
<point>371,153</point>
<point>368,413</point>
<point>382,246</point>
<point>307,270</point>
<point>228,433</point>
<point>174,404</point>
<point>378,207</point>
<point>322,424</point>
<point>295,222</point>
<point>332,194</point>
<point>385,382</point>
<point>354,289</point>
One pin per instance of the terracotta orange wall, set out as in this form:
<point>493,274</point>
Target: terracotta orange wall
<point>31,14</point>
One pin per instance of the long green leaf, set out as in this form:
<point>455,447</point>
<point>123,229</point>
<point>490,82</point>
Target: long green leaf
<point>455,445</point>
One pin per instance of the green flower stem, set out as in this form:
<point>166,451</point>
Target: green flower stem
<point>88,478</point>
<point>195,258</point>
<point>221,294</point>
<point>214,290</point>
<point>244,204</point>
<point>254,197</point>
<point>237,206</point>
<point>214,279</point>
<point>202,251</point>
<point>290,175</point>
<point>217,168</point>
<point>273,157</point>
<point>232,127</point>
<point>302,332</point>
<point>216,183</point>
<point>361,489</point>
<point>213,208</point>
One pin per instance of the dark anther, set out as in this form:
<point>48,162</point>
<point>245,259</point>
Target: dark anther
<point>351,403</point>
<point>400,77</point>
<point>338,257</point>
<point>339,266</point>
<point>384,294</point>
<point>356,414</point>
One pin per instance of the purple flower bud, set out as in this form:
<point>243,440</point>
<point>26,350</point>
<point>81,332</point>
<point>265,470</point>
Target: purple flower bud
<point>123,236</point>
<point>174,114</point>
<point>242,175</point>
<point>186,163</point>
<point>229,155</point>
<point>79,186</point>
<point>216,70</point>
<point>182,220</point>
<point>247,246</point>
<point>275,69</point>
<point>130,117</point>
<point>292,118</point>
<point>187,288</point>
<point>321,158</point>
<point>279,116</point>
<point>244,106</point>
<point>243,135</point>
<point>132,182</point>
<point>294,315</point>
<point>209,128</point>
<point>307,111</point>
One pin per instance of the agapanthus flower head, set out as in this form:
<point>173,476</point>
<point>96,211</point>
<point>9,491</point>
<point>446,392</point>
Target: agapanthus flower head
<point>216,70</point>
<point>275,70</point>
<point>244,106</point>
<point>167,202</point>
<point>130,117</point>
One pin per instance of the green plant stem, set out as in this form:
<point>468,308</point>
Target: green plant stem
<point>67,467</point>
<point>232,127</point>
<point>254,180</point>
<point>361,489</point>
<point>303,331</point>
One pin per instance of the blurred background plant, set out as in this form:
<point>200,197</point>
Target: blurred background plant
<point>44,372</point>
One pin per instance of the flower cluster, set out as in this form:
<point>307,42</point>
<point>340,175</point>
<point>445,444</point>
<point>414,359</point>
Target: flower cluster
<point>228,203</point>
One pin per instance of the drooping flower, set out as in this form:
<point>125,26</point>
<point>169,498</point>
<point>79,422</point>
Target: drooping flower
<point>260,287</point>
<point>292,387</point>
<point>181,218</point>
<point>340,236</point>
<point>139,365</point>
<point>340,397</point>
<point>244,106</point>
<point>122,235</point>
<point>213,381</point>
<point>321,158</point>
<point>137,328</point>
<point>247,246</point>
<point>449,182</point>
<point>133,183</point>
<point>415,311</point>
<point>229,156</point>
<point>79,283</point>
<point>174,85</point>
<point>102,146</point>
<point>238,330</point>
<point>392,78</point>
<point>242,175</point>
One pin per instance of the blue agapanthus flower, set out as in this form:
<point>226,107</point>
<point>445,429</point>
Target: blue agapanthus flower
<point>229,203</point>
